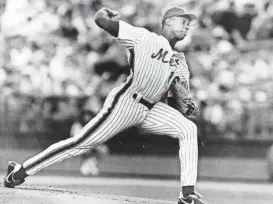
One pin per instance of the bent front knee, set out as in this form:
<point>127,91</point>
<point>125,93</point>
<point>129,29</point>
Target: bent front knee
<point>193,127</point>
<point>188,131</point>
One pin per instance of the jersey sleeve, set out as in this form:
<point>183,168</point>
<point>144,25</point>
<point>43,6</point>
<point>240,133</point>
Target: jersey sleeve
<point>181,89</point>
<point>129,36</point>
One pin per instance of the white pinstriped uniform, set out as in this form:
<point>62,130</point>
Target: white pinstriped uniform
<point>150,78</point>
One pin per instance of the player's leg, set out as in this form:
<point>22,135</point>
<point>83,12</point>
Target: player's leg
<point>97,131</point>
<point>165,120</point>
<point>119,113</point>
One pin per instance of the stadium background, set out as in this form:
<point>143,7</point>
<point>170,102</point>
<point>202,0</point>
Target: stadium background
<point>54,58</point>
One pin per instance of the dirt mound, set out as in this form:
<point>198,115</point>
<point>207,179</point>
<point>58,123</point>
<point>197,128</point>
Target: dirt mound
<point>38,194</point>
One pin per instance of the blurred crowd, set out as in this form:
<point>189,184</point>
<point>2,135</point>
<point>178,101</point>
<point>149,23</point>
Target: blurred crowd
<point>55,60</point>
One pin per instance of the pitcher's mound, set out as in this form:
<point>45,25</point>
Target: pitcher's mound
<point>35,194</point>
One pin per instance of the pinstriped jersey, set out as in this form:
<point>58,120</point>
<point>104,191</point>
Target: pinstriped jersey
<point>150,56</point>
<point>180,75</point>
<point>179,87</point>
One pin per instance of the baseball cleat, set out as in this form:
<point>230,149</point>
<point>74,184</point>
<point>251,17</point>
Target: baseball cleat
<point>194,198</point>
<point>9,180</point>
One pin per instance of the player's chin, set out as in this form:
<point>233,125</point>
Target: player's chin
<point>181,36</point>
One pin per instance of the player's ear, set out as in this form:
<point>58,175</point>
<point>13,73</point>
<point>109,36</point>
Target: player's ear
<point>168,21</point>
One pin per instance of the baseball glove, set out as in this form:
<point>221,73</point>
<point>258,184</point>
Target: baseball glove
<point>191,110</point>
<point>186,106</point>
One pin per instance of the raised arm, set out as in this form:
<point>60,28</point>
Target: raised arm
<point>103,19</point>
<point>128,35</point>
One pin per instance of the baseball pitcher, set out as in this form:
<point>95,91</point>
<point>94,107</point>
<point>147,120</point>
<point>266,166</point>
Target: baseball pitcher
<point>156,69</point>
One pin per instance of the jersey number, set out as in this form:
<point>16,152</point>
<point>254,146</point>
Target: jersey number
<point>173,80</point>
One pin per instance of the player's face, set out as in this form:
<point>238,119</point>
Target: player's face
<point>180,26</point>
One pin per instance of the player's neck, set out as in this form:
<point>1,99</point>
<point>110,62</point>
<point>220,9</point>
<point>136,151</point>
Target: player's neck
<point>172,40</point>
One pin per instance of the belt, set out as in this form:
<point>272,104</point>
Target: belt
<point>143,101</point>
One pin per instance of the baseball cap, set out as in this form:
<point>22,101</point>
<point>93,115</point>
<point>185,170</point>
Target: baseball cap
<point>178,11</point>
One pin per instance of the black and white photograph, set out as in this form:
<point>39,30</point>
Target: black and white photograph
<point>136,101</point>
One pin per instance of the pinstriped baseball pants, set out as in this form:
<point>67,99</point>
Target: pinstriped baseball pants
<point>120,112</point>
